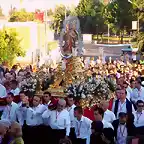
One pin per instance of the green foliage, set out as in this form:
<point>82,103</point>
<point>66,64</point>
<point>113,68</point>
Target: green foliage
<point>58,18</point>
<point>138,41</point>
<point>119,13</point>
<point>9,46</point>
<point>90,13</point>
<point>49,12</point>
<point>21,16</point>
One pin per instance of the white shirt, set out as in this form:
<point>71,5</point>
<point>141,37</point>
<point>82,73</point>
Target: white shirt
<point>138,94</point>
<point>109,116</point>
<point>107,124</point>
<point>71,114</point>
<point>121,134</point>
<point>9,112</point>
<point>46,120</point>
<point>20,113</point>
<point>3,92</point>
<point>34,115</point>
<point>16,91</point>
<point>83,127</point>
<point>121,108</point>
<point>58,120</point>
<point>138,119</point>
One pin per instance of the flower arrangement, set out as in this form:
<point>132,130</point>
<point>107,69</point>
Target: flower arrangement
<point>29,85</point>
<point>98,89</point>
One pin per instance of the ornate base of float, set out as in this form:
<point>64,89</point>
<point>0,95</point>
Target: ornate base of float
<point>63,78</point>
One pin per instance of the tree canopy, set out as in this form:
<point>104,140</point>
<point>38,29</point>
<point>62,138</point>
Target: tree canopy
<point>90,13</point>
<point>21,16</point>
<point>58,17</point>
<point>9,46</point>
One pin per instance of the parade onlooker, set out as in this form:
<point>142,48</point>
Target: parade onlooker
<point>123,127</point>
<point>16,134</point>
<point>82,126</point>
<point>122,104</point>
<point>109,116</point>
<point>139,118</point>
<point>14,88</point>
<point>99,114</point>
<point>9,112</point>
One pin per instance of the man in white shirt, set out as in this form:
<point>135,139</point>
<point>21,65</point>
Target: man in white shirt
<point>109,116</point>
<point>33,117</point>
<point>70,109</point>
<point>99,114</point>
<point>3,94</point>
<point>2,91</point>
<point>59,121</point>
<point>122,104</point>
<point>9,112</point>
<point>138,92</point>
<point>14,86</point>
<point>139,117</point>
<point>82,127</point>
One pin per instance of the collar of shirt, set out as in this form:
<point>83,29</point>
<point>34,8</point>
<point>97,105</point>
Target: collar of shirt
<point>69,108</point>
<point>81,120</point>
<point>49,102</point>
<point>123,102</point>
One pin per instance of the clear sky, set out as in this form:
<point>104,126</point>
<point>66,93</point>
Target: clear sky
<point>30,5</point>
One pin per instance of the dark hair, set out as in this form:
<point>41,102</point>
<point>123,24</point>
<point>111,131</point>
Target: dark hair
<point>14,82</point>
<point>132,80</point>
<point>138,80</point>
<point>139,101</point>
<point>100,111</point>
<point>79,109</point>
<point>48,93</point>
<point>97,126</point>
<point>11,94</point>
<point>71,96</point>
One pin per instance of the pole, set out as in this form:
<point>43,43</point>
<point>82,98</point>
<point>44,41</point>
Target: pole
<point>45,24</point>
<point>108,33</point>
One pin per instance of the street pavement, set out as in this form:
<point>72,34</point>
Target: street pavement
<point>95,50</point>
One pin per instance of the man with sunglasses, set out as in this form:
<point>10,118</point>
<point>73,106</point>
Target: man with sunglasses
<point>139,117</point>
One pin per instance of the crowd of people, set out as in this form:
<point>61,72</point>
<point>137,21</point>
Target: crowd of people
<point>44,119</point>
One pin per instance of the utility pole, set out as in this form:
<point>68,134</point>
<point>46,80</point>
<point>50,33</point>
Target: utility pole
<point>45,25</point>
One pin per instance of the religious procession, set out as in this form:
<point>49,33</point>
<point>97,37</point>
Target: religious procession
<point>81,101</point>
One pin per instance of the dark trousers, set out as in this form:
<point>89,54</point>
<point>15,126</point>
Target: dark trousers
<point>72,135</point>
<point>33,134</point>
<point>57,135</point>
<point>140,130</point>
<point>80,141</point>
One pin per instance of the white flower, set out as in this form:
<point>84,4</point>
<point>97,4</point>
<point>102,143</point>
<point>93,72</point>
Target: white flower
<point>83,96</point>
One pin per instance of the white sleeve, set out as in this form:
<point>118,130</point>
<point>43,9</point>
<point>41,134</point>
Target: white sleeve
<point>46,114</point>
<point>38,111</point>
<point>67,123</point>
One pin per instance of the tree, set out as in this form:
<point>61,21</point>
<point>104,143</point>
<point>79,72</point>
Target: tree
<point>1,11</point>
<point>58,18</point>
<point>49,12</point>
<point>90,13</point>
<point>9,46</point>
<point>120,14</point>
<point>22,16</point>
